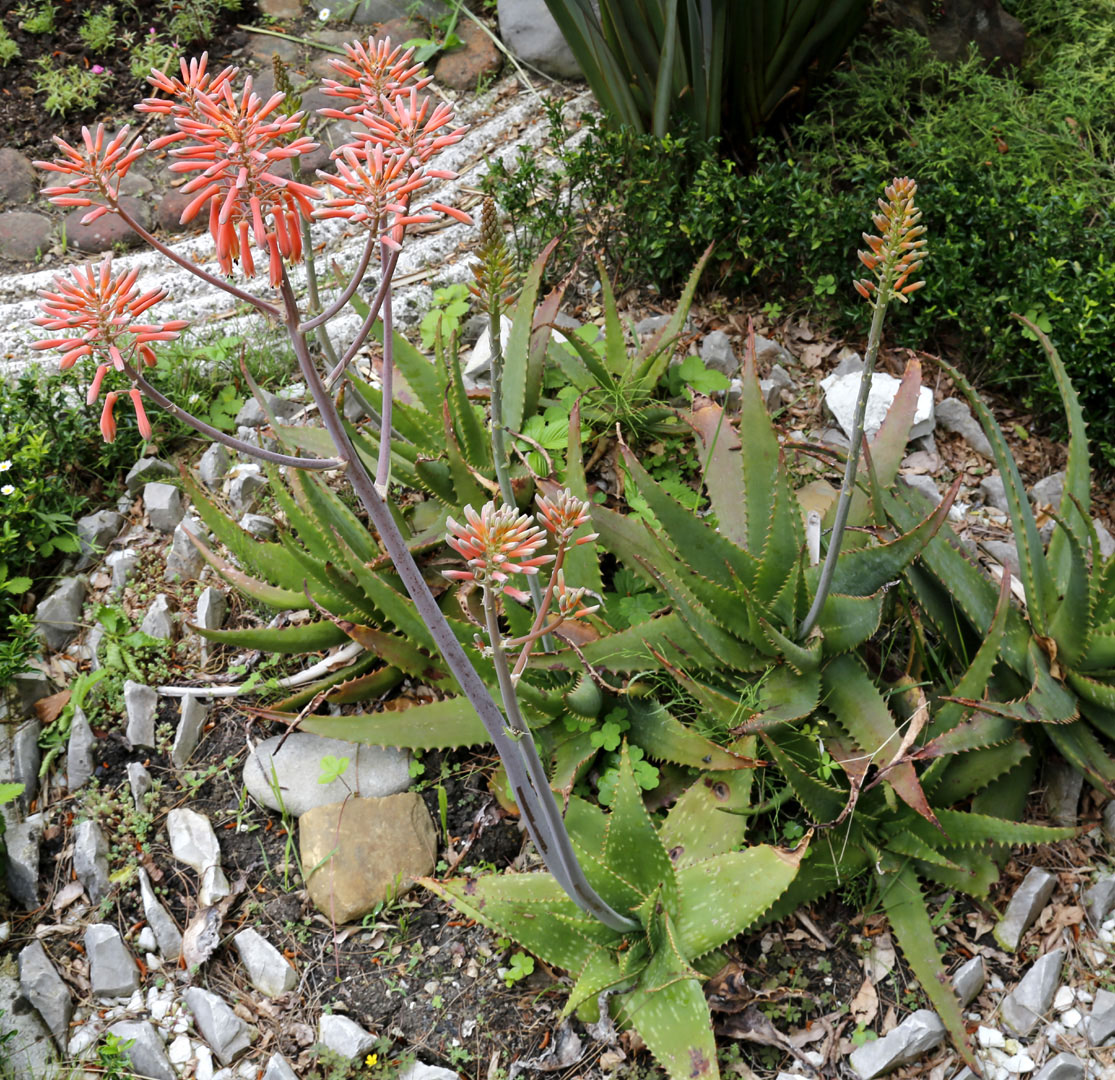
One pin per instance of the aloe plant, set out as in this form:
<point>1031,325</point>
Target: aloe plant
<point>685,886</point>
<point>617,384</point>
<point>1058,660</point>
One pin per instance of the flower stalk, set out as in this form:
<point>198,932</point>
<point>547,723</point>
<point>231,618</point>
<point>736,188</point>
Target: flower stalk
<point>233,142</point>
<point>894,258</point>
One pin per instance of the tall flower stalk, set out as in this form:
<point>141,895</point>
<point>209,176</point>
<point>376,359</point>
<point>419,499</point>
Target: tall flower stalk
<point>894,258</point>
<point>233,142</point>
<point>494,289</point>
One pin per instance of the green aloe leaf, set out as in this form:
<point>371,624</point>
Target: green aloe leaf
<point>582,562</point>
<point>974,877</point>
<point>260,591</point>
<point>821,802</point>
<point>787,695</point>
<point>665,738</point>
<point>304,638</point>
<point>425,380</point>
<point>864,571</point>
<point>266,560</point>
<point>1076,527</point>
<point>632,849</point>
<point>862,711</point>
<point>722,452</point>
<point>974,681</point>
<point>1035,573</point>
<point>474,441</point>
<point>904,904</point>
<point>760,460</point>
<point>522,374</point>
<point>722,896</point>
<point>668,1008</point>
<point>973,771</point>
<point>531,909</point>
<point>437,725</point>
<point>600,973</point>
<point>846,622</point>
<point>705,550</point>
<point>1047,703</point>
<point>1079,746</point>
<point>413,424</point>
<point>705,821</point>
<point>964,829</point>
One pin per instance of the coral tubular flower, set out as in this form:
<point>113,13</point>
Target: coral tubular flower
<point>896,255</point>
<point>405,125</point>
<point>234,142</point>
<point>562,515</point>
<point>496,543</point>
<point>374,191</point>
<point>375,70</point>
<point>95,314</point>
<point>568,600</point>
<point>93,170</point>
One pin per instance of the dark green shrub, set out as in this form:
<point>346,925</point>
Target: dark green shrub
<point>1016,183</point>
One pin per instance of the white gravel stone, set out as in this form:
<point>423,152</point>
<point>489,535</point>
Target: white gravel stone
<point>91,860</point>
<point>919,1033</point>
<point>1025,906</point>
<point>841,392</point>
<point>192,714</point>
<point>165,929</point>
<point>180,1050</point>
<point>1023,1008</point>
<point>1063,999</point>
<point>268,970</point>
<point>1071,1017</point>
<point>112,968</point>
<point>344,1036</point>
<point>140,704</point>
<point>227,1035</point>
<point>43,987</point>
<point>1020,1063</point>
<point>279,1069</point>
<point>163,503</point>
<point>146,1053</point>
<point>989,1037</point>
<point>372,771</point>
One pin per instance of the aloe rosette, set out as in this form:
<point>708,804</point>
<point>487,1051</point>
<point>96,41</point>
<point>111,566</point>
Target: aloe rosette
<point>1056,660</point>
<point>687,902</point>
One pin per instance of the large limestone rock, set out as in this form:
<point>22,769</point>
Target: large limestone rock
<point>364,849</point>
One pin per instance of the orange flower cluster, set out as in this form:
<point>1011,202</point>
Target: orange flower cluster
<point>496,543</point>
<point>398,133</point>
<point>97,315</point>
<point>562,515</point>
<point>235,143</point>
<point>896,255</point>
<point>94,170</point>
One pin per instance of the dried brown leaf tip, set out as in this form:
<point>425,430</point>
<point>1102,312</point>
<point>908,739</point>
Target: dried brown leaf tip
<point>494,275</point>
<point>895,255</point>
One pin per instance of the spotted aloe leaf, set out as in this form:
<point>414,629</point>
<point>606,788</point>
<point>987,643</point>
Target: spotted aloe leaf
<point>582,562</point>
<point>665,738</point>
<point>683,912</point>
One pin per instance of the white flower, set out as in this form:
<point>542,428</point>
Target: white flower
<point>323,15</point>
<point>5,465</point>
<point>7,489</point>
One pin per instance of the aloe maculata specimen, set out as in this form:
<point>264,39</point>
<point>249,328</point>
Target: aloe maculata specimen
<point>233,141</point>
<point>1058,661</point>
<point>686,887</point>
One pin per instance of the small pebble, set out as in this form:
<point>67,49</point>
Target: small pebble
<point>1071,1017</point>
<point>1020,1063</point>
<point>1084,997</point>
<point>1063,999</point>
<point>990,1037</point>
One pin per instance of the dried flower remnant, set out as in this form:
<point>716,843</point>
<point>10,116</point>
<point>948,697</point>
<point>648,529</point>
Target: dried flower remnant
<point>896,255</point>
<point>97,315</point>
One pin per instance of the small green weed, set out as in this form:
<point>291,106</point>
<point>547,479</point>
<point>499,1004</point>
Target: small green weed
<point>99,30</point>
<point>69,88</point>
<point>9,50</point>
